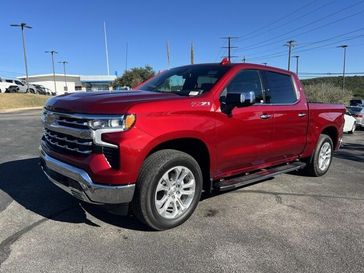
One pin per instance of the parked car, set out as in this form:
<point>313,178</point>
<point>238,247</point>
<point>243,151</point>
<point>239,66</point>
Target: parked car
<point>23,87</point>
<point>356,102</point>
<point>40,89</point>
<point>5,84</point>
<point>205,127</point>
<point>358,114</point>
<point>349,123</point>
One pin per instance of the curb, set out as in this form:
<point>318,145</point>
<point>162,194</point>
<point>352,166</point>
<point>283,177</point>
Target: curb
<point>20,109</point>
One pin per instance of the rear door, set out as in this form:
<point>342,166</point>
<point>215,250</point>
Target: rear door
<point>290,115</point>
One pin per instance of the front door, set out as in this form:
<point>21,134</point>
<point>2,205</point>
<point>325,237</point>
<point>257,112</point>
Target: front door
<point>244,137</point>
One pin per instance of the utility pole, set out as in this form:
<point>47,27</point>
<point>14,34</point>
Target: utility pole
<point>22,27</point>
<point>290,44</point>
<point>244,59</point>
<point>192,54</point>
<point>64,72</point>
<point>168,55</point>
<point>229,47</point>
<point>52,52</point>
<point>344,65</point>
<point>297,57</point>
<point>106,50</point>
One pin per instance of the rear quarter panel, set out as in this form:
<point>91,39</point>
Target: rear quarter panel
<point>321,117</point>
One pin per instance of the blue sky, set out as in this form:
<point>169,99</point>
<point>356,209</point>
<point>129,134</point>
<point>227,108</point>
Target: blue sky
<point>75,30</point>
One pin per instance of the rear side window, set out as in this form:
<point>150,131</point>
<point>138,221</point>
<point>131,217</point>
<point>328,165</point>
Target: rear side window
<point>246,81</point>
<point>278,88</point>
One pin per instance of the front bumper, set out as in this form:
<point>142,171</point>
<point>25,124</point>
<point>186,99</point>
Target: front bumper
<point>78,183</point>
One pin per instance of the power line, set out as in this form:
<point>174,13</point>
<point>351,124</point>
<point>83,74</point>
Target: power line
<point>271,27</point>
<point>268,42</point>
<point>305,45</point>
<point>300,50</point>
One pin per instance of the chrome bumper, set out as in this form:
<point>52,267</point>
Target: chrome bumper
<point>79,184</point>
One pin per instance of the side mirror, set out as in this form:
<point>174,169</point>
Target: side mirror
<point>240,99</point>
<point>236,99</point>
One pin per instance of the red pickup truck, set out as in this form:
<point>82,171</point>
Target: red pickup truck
<point>204,127</point>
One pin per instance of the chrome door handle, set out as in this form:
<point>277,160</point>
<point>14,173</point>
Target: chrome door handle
<point>301,115</point>
<point>265,116</point>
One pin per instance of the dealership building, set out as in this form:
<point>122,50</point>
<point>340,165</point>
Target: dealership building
<point>72,82</point>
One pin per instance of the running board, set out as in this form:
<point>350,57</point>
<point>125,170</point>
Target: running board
<point>233,183</point>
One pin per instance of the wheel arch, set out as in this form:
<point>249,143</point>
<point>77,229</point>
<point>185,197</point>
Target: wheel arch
<point>333,133</point>
<point>196,148</point>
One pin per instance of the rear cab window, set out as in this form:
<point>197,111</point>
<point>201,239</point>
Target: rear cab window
<point>278,88</point>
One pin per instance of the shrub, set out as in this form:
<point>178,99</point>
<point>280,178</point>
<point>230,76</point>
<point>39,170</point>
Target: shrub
<point>327,92</point>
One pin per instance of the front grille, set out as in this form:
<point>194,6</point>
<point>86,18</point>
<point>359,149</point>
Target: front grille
<point>66,143</point>
<point>72,134</point>
<point>73,122</point>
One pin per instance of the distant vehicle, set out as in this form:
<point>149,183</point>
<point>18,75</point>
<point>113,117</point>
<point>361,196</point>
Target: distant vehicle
<point>356,102</point>
<point>40,89</point>
<point>349,123</point>
<point>5,84</point>
<point>23,87</point>
<point>358,114</point>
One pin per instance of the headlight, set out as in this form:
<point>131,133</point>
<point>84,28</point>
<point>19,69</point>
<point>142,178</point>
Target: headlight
<point>124,122</point>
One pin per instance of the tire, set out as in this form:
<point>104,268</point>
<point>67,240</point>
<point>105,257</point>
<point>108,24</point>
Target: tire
<point>314,166</point>
<point>152,186</point>
<point>352,129</point>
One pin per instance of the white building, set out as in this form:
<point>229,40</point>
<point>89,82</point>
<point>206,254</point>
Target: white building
<point>72,82</point>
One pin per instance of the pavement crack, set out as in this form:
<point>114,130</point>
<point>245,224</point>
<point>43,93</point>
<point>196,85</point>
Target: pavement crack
<point>5,245</point>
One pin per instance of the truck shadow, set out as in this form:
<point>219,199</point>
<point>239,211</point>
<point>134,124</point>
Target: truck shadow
<point>351,151</point>
<point>24,182</point>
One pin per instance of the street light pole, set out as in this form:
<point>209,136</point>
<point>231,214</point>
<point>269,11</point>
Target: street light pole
<point>22,27</point>
<point>52,52</point>
<point>64,72</point>
<point>297,57</point>
<point>344,65</point>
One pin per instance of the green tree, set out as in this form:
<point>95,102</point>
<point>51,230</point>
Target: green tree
<point>327,92</point>
<point>134,76</point>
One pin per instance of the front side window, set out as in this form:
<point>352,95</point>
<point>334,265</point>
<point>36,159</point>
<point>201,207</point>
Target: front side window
<point>246,81</point>
<point>279,88</point>
<point>188,80</point>
<point>19,83</point>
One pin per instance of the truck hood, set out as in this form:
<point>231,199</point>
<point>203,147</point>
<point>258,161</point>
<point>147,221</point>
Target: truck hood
<point>108,102</point>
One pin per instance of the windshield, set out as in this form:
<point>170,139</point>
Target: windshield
<point>355,109</point>
<point>189,80</point>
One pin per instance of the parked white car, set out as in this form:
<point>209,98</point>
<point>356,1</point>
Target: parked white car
<point>349,123</point>
<point>21,87</point>
<point>358,113</point>
<point>5,84</point>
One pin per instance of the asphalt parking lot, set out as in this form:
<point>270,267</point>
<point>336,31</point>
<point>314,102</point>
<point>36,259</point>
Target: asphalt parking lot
<point>289,224</point>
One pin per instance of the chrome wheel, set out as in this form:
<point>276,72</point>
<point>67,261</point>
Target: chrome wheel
<point>324,156</point>
<point>175,192</point>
